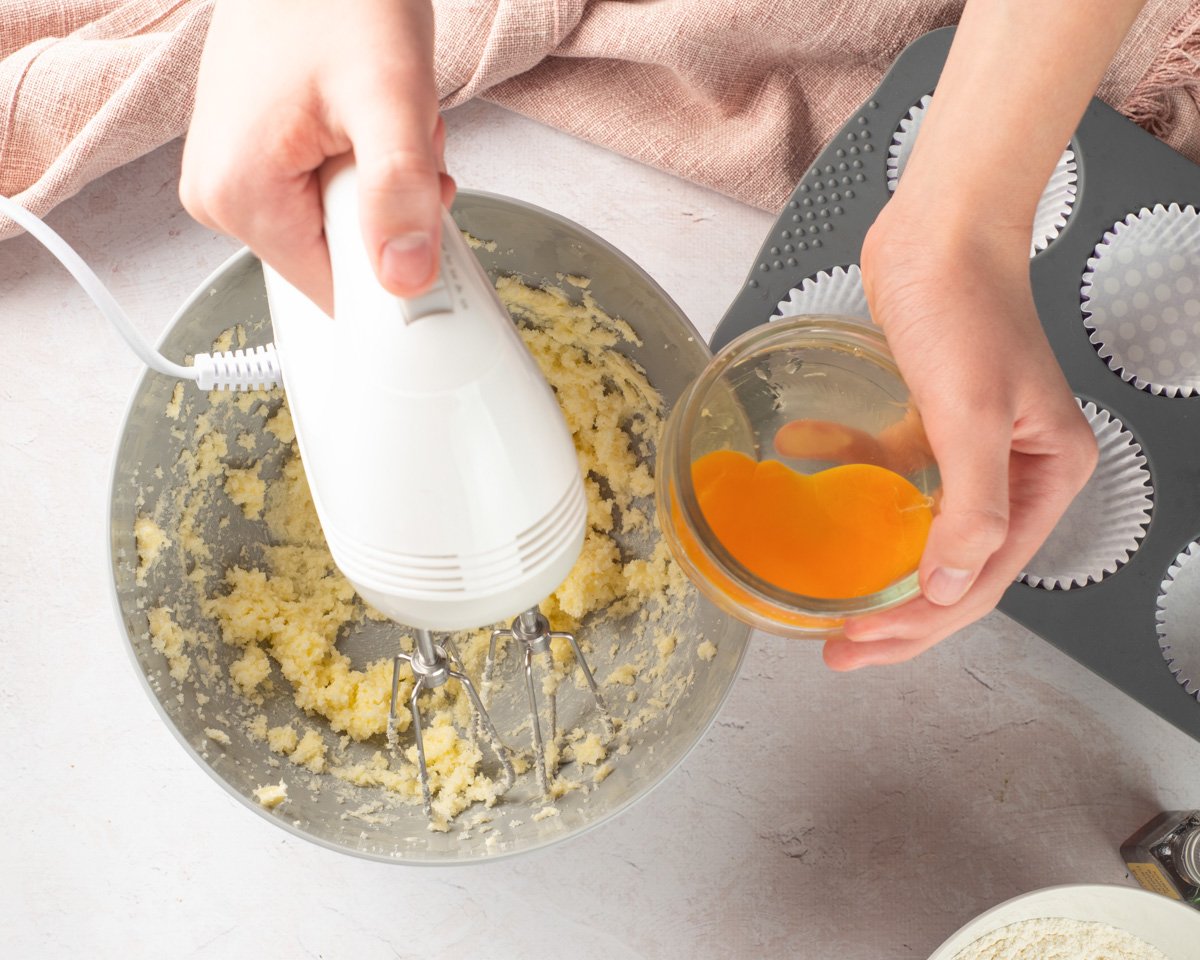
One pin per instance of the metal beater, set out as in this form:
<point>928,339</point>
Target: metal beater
<point>532,630</point>
<point>432,666</point>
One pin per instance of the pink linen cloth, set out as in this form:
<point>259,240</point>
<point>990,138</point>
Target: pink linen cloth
<point>737,95</point>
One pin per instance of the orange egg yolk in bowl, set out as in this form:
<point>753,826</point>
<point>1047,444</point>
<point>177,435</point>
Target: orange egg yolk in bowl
<point>796,487</point>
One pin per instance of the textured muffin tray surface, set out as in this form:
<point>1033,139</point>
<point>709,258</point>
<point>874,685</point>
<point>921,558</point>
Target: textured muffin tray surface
<point>1116,277</point>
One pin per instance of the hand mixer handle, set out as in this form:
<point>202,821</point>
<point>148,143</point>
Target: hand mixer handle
<point>439,461</point>
<point>394,339</point>
<point>440,297</point>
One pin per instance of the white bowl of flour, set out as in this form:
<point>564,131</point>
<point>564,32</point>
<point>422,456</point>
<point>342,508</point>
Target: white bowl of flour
<point>1079,922</point>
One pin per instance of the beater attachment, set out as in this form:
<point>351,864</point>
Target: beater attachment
<point>532,630</point>
<point>433,665</point>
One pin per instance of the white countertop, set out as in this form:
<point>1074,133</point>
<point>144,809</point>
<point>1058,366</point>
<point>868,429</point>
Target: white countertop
<point>858,816</point>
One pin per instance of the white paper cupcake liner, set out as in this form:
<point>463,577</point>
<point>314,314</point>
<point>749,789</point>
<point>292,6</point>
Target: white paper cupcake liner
<point>1141,300</point>
<point>1053,208</point>
<point>903,140</point>
<point>838,292</point>
<point>1106,522</point>
<point>1178,619</point>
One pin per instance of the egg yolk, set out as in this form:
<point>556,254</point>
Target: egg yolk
<point>845,532</point>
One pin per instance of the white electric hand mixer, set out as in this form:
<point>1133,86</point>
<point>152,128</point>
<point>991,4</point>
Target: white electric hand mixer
<point>440,465</point>
<point>439,462</point>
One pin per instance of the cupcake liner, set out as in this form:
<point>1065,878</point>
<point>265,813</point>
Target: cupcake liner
<point>1178,619</point>
<point>1141,300</point>
<point>1106,522</point>
<point>903,140</point>
<point>837,292</point>
<point>1054,206</point>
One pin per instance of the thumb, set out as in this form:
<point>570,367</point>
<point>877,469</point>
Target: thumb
<point>972,522</point>
<point>400,190</point>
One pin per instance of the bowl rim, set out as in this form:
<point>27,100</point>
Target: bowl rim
<point>984,923</point>
<point>244,256</point>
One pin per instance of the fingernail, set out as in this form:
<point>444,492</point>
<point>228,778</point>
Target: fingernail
<point>946,585</point>
<point>407,260</point>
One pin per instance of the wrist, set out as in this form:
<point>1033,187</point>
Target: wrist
<point>944,230</point>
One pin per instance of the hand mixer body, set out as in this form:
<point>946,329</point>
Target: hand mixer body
<point>441,468</point>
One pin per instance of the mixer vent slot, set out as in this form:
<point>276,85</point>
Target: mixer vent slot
<point>445,574</point>
<point>545,537</point>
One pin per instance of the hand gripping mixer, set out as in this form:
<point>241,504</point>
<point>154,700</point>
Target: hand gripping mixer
<point>441,468</point>
<point>439,462</point>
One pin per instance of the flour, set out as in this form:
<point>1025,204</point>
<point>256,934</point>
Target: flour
<point>1056,938</point>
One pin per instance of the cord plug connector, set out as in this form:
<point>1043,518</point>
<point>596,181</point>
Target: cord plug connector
<point>255,369</point>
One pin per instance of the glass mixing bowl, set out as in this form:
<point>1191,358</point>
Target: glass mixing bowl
<point>831,386</point>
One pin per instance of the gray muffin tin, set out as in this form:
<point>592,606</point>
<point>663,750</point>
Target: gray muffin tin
<point>1109,626</point>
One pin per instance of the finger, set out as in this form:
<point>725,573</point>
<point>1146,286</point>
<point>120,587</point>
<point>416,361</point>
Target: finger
<point>1045,486</point>
<point>439,142</point>
<point>287,234</point>
<point>400,186</point>
<point>826,440</point>
<point>905,446</point>
<point>293,243</point>
<point>449,189</point>
<point>972,451</point>
<point>273,205</point>
<point>921,626</point>
<point>842,654</point>
<point>448,186</point>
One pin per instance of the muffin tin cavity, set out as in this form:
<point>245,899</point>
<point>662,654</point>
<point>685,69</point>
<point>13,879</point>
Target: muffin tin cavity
<point>837,292</point>
<point>1141,300</point>
<point>1054,206</point>
<point>1178,617</point>
<point>1106,522</point>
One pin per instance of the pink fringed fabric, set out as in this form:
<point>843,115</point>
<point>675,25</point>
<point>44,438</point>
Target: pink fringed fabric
<point>1166,101</point>
<point>88,85</point>
<point>737,95</point>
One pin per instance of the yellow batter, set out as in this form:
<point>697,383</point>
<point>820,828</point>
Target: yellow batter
<point>289,607</point>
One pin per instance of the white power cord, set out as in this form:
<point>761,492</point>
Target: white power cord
<point>229,370</point>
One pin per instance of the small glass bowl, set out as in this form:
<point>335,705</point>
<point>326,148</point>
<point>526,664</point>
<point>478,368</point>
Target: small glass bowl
<point>833,370</point>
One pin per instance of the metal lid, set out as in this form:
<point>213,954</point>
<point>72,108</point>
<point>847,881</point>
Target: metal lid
<point>1187,856</point>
